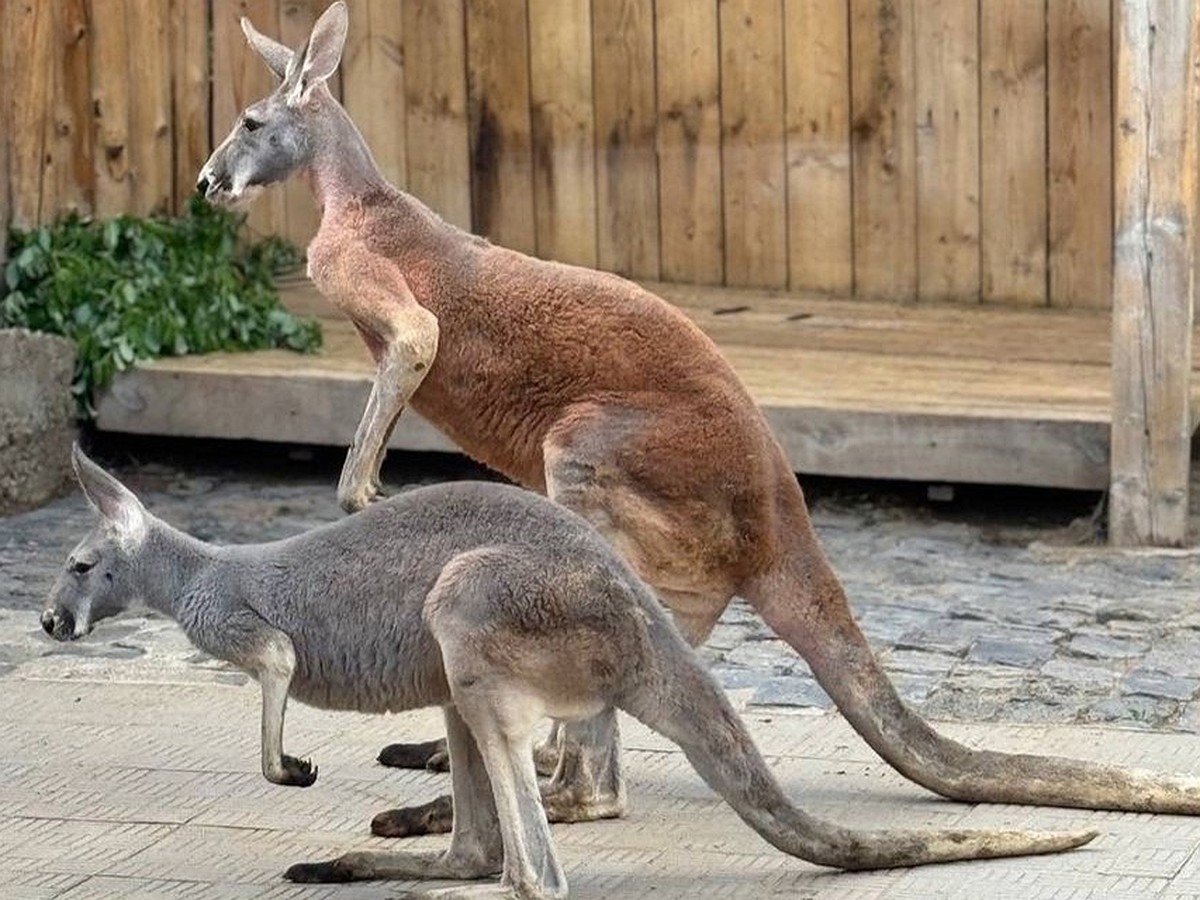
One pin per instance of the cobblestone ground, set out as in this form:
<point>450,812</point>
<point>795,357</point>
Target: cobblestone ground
<point>987,612</point>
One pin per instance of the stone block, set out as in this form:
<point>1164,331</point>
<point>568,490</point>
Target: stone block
<point>37,417</point>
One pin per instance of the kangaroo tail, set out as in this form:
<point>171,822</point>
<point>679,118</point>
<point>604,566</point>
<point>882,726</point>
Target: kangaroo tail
<point>804,603</point>
<point>684,704</point>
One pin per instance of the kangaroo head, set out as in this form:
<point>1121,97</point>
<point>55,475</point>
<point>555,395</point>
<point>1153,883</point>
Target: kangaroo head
<point>279,134</point>
<point>100,578</point>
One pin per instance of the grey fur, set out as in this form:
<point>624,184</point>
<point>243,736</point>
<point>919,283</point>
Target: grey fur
<point>485,599</point>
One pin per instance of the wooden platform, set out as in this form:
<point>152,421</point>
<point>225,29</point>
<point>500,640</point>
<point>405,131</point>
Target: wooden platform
<point>939,393</point>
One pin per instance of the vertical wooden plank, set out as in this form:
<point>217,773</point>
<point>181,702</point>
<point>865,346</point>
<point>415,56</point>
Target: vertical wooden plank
<point>626,164</point>
<point>817,53</point>
<point>435,92</point>
<point>29,27</point>
<point>150,155</point>
<point>9,12</point>
<point>239,78</point>
<point>752,143</point>
<point>300,216</point>
<point>1080,127</point>
<point>69,186</point>
<point>560,90</point>
<point>1013,138</point>
<point>884,148</point>
<point>948,151</point>
<point>110,106</point>
<point>190,112</point>
<point>1155,162</point>
<point>500,129</point>
<point>373,83</point>
<point>691,223</point>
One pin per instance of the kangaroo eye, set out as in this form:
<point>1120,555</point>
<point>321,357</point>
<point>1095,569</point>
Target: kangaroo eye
<point>79,566</point>
<point>251,124</point>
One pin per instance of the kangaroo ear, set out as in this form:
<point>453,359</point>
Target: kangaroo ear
<point>322,54</point>
<point>277,56</point>
<point>110,498</point>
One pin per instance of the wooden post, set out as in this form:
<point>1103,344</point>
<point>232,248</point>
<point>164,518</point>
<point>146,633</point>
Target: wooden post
<point>1155,156</point>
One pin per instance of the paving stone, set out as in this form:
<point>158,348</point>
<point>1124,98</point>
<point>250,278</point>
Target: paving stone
<point>774,655</point>
<point>1133,712</point>
<point>1009,653</point>
<point>1101,646</point>
<point>919,662</point>
<point>791,691</point>
<point>1151,683</point>
<point>1080,674</point>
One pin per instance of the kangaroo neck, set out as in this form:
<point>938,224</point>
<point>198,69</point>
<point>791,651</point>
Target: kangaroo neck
<point>342,168</point>
<point>173,563</point>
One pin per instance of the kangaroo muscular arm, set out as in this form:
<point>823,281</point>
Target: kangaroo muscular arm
<point>273,667</point>
<point>402,336</point>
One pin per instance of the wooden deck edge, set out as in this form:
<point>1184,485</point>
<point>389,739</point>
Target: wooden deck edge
<point>312,409</point>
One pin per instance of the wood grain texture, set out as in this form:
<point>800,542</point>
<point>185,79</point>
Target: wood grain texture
<point>884,147</point>
<point>150,138</point>
<point>560,89</point>
<point>189,95</point>
<point>820,238</point>
<point>752,143</point>
<point>889,391</point>
<point>499,122</point>
<point>239,78</point>
<point>70,182</point>
<point>1013,200</point>
<point>1080,177</point>
<point>300,214</point>
<point>626,117</point>
<point>948,150</point>
<point>1156,160</point>
<point>373,84</point>
<point>29,26</point>
<point>691,225</point>
<point>110,106</point>
<point>9,14</point>
<point>435,99</point>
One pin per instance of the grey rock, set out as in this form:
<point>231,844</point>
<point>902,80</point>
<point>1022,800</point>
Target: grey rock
<point>1009,653</point>
<point>1151,683</point>
<point>37,417</point>
<point>1100,646</point>
<point>791,691</point>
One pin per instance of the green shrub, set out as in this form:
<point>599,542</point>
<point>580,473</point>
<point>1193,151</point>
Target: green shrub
<point>129,289</point>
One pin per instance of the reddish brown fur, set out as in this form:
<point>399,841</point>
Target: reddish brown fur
<point>587,387</point>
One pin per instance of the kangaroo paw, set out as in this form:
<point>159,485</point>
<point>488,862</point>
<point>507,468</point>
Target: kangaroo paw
<point>415,756</point>
<point>332,871</point>
<point>435,817</point>
<point>298,772</point>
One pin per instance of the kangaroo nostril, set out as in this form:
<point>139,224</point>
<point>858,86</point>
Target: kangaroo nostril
<point>202,185</point>
<point>48,622</point>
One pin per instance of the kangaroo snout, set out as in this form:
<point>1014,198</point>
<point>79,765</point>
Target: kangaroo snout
<point>59,624</point>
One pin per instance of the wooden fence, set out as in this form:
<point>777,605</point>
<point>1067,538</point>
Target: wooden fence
<point>903,149</point>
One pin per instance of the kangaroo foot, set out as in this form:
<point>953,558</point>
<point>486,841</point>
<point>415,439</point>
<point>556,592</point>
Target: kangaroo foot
<point>369,865</point>
<point>480,892</point>
<point>564,804</point>
<point>295,772</point>
<point>430,755</point>
<point>352,501</point>
<point>435,817</point>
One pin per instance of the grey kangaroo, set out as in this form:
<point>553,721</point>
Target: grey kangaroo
<point>588,388</point>
<point>491,602</point>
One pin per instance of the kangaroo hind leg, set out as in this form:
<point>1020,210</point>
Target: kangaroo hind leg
<point>475,849</point>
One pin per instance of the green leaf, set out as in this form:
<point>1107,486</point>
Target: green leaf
<point>128,289</point>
